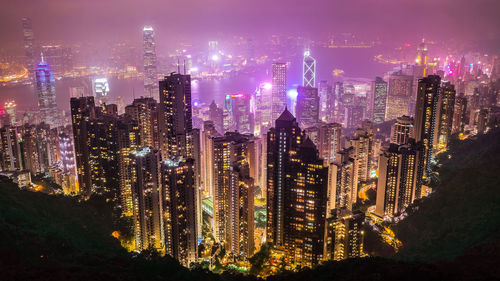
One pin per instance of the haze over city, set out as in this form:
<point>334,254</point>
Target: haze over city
<point>249,140</point>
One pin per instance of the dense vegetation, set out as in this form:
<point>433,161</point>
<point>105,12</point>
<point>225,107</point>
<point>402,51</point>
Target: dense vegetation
<point>464,210</point>
<point>452,235</point>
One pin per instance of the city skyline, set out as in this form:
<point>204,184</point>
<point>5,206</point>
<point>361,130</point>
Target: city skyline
<point>257,155</point>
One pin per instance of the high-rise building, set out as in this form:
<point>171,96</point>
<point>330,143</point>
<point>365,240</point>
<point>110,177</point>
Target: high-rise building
<point>402,130</point>
<point>362,153</point>
<point>344,238</point>
<point>179,209</point>
<point>338,109</point>
<point>217,116</point>
<point>10,156</point>
<point>46,91</point>
<point>240,111</point>
<point>304,213</point>
<point>379,99</point>
<point>400,178</point>
<point>343,181</point>
<point>444,115</point>
<point>129,141</point>
<point>82,110</point>
<point>207,156</point>
<point>176,115</point>
<point>327,101</point>
<point>399,94</point>
<point>147,199</point>
<point>263,106</point>
<point>233,162</point>
<point>283,142</point>
<point>67,152</point>
<point>307,108</point>
<point>459,114</point>
<point>328,141</point>
<point>29,47</point>
<point>353,115</point>
<point>149,56</point>
<point>278,96</point>
<point>425,115</point>
<point>145,112</point>
<point>308,70</point>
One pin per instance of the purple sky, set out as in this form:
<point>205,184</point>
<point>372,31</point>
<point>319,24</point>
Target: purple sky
<point>122,19</point>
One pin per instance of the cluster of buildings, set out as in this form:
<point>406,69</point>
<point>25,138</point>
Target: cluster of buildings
<point>172,167</point>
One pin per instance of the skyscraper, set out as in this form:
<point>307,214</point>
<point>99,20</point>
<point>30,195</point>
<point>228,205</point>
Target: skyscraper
<point>242,117</point>
<point>278,97</point>
<point>29,48</point>
<point>283,142</point>
<point>305,198</point>
<point>217,117</point>
<point>344,238</point>
<point>149,56</point>
<point>307,108</point>
<point>444,115</point>
<point>179,209</point>
<point>362,153</point>
<point>10,152</point>
<point>176,115</point>
<point>234,159</point>
<point>379,98</point>
<point>400,178</point>
<point>147,199</point>
<point>46,91</point>
<point>399,94</point>
<point>344,181</point>
<point>353,116</point>
<point>425,114</point>
<point>145,111</point>
<point>129,141</point>
<point>82,110</point>
<point>327,101</point>
<point>459,114</point>
<point>308,70</point>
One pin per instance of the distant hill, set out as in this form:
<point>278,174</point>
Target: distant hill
<point>452,235</point>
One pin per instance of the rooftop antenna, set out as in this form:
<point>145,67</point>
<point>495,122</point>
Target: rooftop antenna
<point>178,66</point>
<point>184,67</point>
<point>41,55</point>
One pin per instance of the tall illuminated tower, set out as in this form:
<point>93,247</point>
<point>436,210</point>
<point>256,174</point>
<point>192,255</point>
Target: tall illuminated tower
<point>398,96</point>
<point>444,115</point>
<point>29,44</point>
<point>147,199</point>
<point>278,89</point>
<point>176,116</point>
<point>179,209</point>
<point>283,142</point>
<point>150,80</point>
<point>305,197</point>
<point>45,87</point>
<point>233,164</point>
<point>379,99</point>
<point>307,108</point>
<point>425,114</point>
<point>308,70</point>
